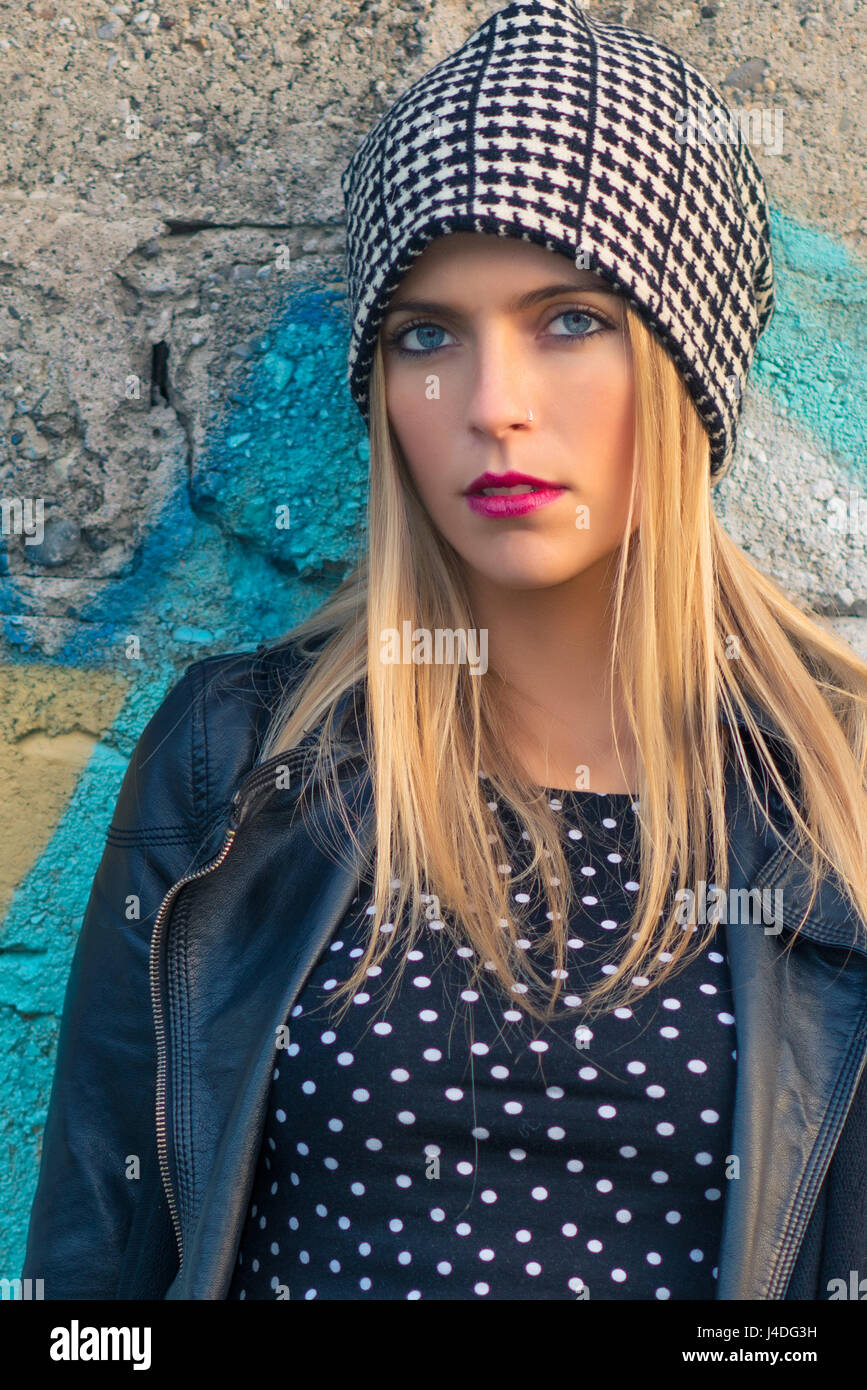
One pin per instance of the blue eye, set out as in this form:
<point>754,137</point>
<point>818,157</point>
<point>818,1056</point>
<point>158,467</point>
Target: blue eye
<point>422,327</point>
<point>425,329</point>
<point>575,314</point>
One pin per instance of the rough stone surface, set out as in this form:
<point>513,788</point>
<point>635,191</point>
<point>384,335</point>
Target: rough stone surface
<point>172,339</point>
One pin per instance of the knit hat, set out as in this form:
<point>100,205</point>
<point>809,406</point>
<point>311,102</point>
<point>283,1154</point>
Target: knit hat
<point>585,137</point>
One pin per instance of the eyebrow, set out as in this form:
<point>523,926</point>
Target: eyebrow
<point>524,301</point>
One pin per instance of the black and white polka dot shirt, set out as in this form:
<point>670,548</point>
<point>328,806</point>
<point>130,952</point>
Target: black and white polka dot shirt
<point>450,1146</point>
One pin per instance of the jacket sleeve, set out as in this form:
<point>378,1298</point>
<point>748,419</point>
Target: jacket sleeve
<point>99,1167</point>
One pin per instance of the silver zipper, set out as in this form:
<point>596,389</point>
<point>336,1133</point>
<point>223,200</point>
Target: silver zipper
<point>255,779</point>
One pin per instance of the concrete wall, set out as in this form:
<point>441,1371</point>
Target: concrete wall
<point>172,370</point>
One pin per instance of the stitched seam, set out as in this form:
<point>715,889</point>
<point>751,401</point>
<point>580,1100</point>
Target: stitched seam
<point>196,756</point>
<point>163,835</point>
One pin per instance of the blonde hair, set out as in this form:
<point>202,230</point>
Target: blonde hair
<point>686,598</point>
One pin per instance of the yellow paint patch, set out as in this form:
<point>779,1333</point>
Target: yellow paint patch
<point>50,720</point>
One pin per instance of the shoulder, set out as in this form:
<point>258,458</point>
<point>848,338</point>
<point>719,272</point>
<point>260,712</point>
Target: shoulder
<point>201,740</point>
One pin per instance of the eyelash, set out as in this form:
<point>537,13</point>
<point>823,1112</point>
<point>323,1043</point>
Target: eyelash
<point>394,339</point>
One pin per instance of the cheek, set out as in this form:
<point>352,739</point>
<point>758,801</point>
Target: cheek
<point>421,428</point>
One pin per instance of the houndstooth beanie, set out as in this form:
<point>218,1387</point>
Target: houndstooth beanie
<point>588,138</point>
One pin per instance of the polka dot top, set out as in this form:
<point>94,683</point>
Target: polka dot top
<point>450,1146</point>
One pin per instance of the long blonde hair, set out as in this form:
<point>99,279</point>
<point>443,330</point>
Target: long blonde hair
<point>698,631</point>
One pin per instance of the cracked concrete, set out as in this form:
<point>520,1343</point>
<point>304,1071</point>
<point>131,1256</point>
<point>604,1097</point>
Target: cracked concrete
<point>153,161</point>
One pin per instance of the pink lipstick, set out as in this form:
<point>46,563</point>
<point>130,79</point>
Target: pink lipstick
<point>526,494</point>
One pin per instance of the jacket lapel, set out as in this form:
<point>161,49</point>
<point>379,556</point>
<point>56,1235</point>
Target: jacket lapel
<point>800,1024</point>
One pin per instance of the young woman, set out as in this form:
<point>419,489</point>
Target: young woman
<point>503,928</point>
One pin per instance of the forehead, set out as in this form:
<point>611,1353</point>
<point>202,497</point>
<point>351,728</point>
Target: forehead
<point>452,263</point>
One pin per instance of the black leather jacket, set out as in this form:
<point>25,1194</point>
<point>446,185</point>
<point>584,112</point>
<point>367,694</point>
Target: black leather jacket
<point>209,909</point>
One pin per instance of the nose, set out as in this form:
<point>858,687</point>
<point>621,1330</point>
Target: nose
<point>499,397</point>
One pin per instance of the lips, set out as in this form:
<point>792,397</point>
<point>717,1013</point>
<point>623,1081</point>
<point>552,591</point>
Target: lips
<point>516,483</point>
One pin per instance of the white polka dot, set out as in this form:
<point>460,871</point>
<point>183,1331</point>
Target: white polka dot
<point>399,1074</point>
<point>703,1157</point>
<point>696,1255</point>
<point>606,1112</point>
<point>406,1117</point>
<point>653,1258</point>
<point>421,981</point>
<point>539,1194</point>
<point>481,1289</point>
<point>513,1107</point>
<point>570,1229</point>
<point>437,1214</point>
<point>360,1094</point>
<point>555,1132</point>
<point>672,1217</point>
<point>618,1275</point>
<point>710,1117</point>
<point>523,1236</point>
<point>595,1246</point>
<point>432,1054</point>
<point>636,1068</point>
<point>454,1093</point>
<point>489,1195</point>
<point>671,1003</point>
<point>533,1268</point>
<point>664,1128</point>
<point>623,1215</point>
<point>656,1092</point>
<point>428,1016</point>
<point>697,1065</point>
<point>382,1028</point>
<point>659,1175</point>
<point>463,1228</point>
<point>663,1293</point>
<point>604,1185</point>
<point>628,1151</point>
<point>345,1059</point>
<point>308,1087</point>
<point>444,1267</point>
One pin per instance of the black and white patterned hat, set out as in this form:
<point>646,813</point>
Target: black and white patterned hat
<point>585,137</point>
